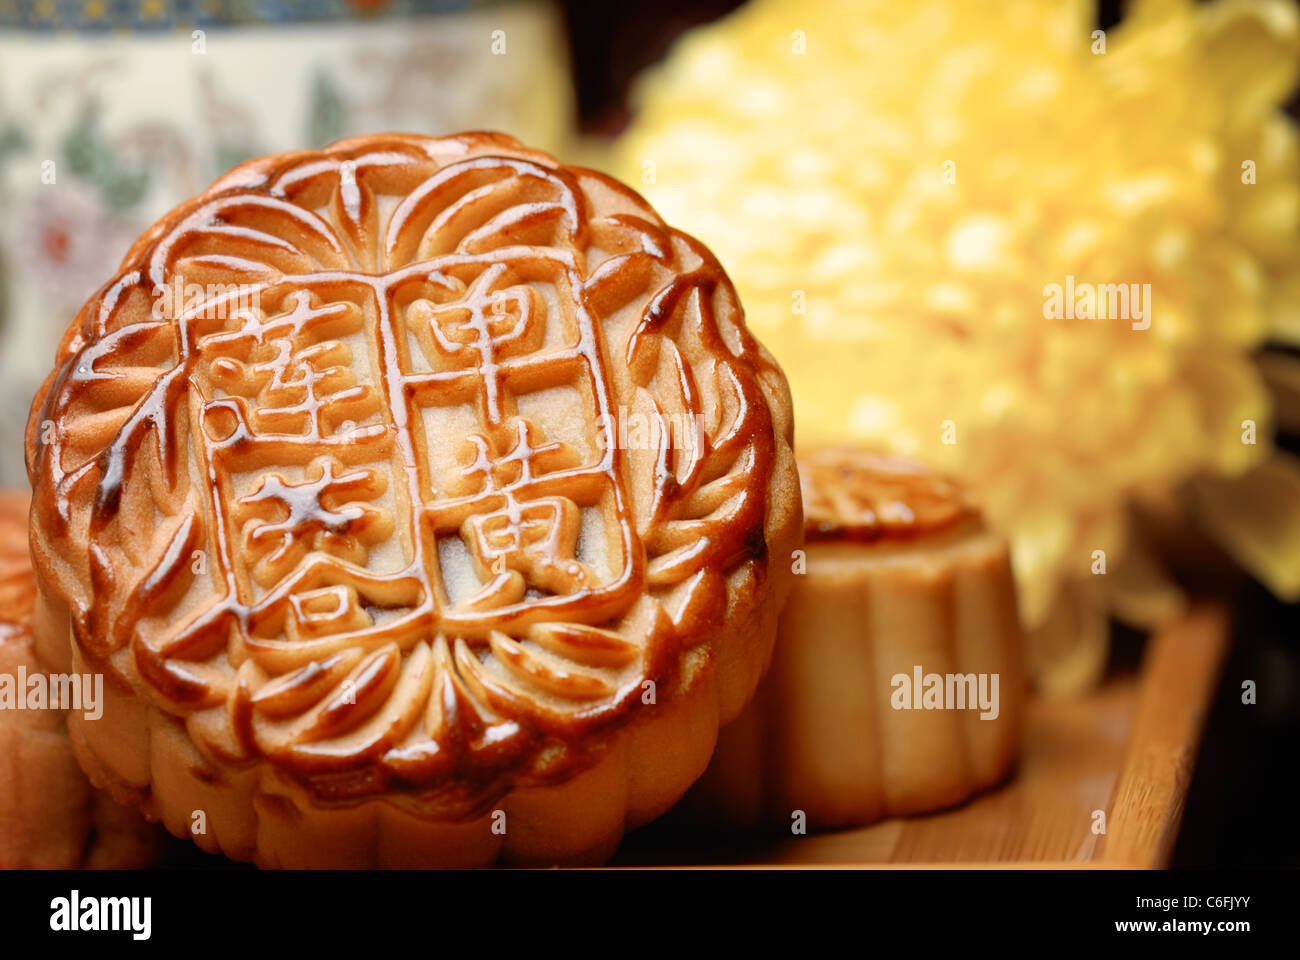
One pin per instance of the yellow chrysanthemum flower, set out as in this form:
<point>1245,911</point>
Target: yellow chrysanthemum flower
<point>901,190</point>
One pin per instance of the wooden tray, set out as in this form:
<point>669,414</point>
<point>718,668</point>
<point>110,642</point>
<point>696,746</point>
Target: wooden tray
<point>1127,750</point>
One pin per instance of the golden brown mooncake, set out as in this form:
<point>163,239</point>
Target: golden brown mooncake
<point>425,501</point>
<point>902,584</point>
<point>50,816</point>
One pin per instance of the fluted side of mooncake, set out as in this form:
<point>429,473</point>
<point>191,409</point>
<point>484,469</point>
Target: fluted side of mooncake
<point>900,577</point>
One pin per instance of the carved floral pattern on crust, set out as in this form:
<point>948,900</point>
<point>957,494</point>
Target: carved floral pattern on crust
<point>350,510</point>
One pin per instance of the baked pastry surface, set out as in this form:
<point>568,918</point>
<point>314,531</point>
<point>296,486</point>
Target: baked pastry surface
<point>50,816</point>
<point>901,579</point>
<point>425,502</point>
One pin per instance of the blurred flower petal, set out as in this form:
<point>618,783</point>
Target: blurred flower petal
<point>1140,592</point>
<point>904,194</point>
<point>1252,52</point>
<point>1071,647</point>
<point>1281,373</point>
<point>1256,517</point>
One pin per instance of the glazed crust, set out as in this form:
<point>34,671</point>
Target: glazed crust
<point>929,588</point>
<point>853,494</point>
<point>347,531</point>
<point>50,817</point>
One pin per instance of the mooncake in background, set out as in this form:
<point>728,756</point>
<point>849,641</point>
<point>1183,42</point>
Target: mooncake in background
<point>50,816</point>
<point>897,685</point>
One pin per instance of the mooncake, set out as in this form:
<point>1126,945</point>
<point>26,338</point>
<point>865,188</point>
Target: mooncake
<point>897,684</point>
<point>425,502</point>
<point>50,816</point>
